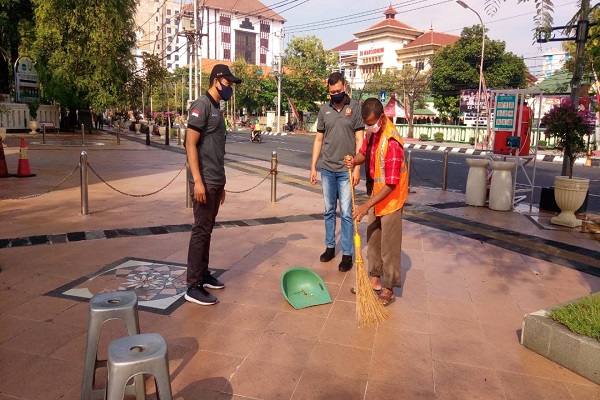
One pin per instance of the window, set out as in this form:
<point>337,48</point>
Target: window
<point>420,65</point>
<point>225,37</point>
<point>156,18</point>
<point>169,65</point>
<point>169,48</point>
<point>168,21</point>
<point>168,12</point>
<point>227,54</point>
<point>158,46</point>
<point>263,59</point>
<point>169,57</point>
<point>168,30</point>
<point>245,46</point>
<point>176,58</point>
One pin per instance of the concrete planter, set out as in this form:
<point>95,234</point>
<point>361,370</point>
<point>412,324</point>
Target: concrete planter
<point>557,343</point>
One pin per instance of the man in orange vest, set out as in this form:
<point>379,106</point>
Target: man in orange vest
<point>387,186</point>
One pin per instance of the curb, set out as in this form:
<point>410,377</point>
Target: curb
<point>557,343</point>
<point>475,152</point>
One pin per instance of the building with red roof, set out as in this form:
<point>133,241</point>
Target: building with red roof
<point>388,44</point>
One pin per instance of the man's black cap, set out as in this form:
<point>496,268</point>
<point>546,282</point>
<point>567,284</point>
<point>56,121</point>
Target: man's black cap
<point>223,71</point>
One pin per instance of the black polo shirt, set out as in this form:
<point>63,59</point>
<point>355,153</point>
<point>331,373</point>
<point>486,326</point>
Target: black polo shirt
<point>339,128</point>
<point>205,117</point>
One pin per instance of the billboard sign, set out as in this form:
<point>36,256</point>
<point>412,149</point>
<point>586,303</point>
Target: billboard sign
<point>26,81</point>
<point>505,112</point>
<point>468,102</point>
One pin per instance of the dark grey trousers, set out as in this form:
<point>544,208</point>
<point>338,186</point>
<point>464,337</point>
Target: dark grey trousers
<point>384,241</point>
<point>205,216</point>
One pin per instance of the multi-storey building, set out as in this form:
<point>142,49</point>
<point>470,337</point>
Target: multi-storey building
<point>389,44</point>
<point>227,30</point>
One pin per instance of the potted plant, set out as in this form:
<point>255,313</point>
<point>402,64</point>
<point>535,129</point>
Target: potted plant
<point>542,144</point>
<point>423,137</point>
<point>472,140</point>
<point>568,126</point>
<point>33,109</point>
<point>438,137</point>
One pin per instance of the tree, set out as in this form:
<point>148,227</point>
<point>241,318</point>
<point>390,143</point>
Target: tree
<point>15,24</point>
<point>413,84</point>
<point>456,67</point>
<point>256,90</point>
<point>83,51</point>
<point>309,66</point>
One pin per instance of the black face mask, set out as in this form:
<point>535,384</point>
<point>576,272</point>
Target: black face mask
<point>338,97</point>
<point>225,92</point>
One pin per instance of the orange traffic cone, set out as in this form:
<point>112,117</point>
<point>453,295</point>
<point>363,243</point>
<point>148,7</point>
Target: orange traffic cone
<point>23,170</point>
<point>3,167</point>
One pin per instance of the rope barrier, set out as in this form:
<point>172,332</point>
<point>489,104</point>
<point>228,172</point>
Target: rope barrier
<point>42,193</point>
<point>255,186</point>
<point>125,193</point>
<point>136,195</point>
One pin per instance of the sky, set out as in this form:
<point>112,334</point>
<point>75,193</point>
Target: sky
<point>334,22</point>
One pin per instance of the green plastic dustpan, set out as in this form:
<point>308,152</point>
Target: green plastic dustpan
<point>303,288</point>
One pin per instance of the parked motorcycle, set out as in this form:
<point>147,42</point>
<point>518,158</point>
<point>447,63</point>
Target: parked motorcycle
<point>290,126</point>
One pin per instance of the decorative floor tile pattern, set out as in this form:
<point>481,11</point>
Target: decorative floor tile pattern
<point>159,286</point>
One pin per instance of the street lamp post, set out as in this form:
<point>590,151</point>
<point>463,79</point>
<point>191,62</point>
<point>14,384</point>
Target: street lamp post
<point>465,5</point>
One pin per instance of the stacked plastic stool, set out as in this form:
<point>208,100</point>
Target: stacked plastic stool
<point>133,356</point>
<point>120,305</point>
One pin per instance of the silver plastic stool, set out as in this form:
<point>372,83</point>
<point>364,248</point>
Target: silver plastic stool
<point>121,305</point>
<point>134,356</point>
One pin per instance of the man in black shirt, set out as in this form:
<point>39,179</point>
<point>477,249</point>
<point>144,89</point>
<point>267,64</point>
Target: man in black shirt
<point>205,149</point>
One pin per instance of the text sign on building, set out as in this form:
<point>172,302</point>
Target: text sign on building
<point>371,51</point>
<point>26,81</point>
<point>505,112</point>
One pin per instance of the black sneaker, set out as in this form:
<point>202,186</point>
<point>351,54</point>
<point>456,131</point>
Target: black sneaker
<point>345,264</point>
<point>328,255</point>
<point>212,283</point>
<point>199,295</point>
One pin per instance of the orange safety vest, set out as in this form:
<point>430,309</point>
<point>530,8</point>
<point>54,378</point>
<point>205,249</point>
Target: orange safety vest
<point>395,200</point>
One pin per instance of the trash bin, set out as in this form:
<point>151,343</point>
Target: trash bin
<point>476,191</point>
<point>501,188</point>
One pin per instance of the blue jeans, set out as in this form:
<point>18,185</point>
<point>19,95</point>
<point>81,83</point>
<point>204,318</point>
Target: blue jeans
<point>336,185</point>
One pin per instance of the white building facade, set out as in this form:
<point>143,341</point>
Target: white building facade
<point>227,30</point>
<point>389,44</point>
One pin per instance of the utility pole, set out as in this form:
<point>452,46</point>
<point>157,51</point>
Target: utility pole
<point>581,35</point>
<point>196,40</point>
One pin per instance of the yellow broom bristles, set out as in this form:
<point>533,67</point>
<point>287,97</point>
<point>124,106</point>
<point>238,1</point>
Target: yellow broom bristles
<point>369,310</point>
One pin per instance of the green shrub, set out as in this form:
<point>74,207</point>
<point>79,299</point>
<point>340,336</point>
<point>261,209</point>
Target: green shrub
<point>472,140</point>
<point>542,143</point>
<point>269,129</point>
<point>423,136</point>
<point>438,136</point>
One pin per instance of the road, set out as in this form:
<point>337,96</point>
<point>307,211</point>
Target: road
<point>295,150</point>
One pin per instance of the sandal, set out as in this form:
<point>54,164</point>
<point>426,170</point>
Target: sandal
<point>386,297</point>
<point>353,290</point>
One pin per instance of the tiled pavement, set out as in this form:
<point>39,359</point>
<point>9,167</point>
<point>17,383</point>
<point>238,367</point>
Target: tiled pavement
<point>469,276</point>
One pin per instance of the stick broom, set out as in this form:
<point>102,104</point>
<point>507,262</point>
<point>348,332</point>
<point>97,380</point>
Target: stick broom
<point>369,310</point>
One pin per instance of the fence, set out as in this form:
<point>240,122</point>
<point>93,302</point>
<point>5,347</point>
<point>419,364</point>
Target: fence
<point>455,133</point>
<point>17,115</point>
